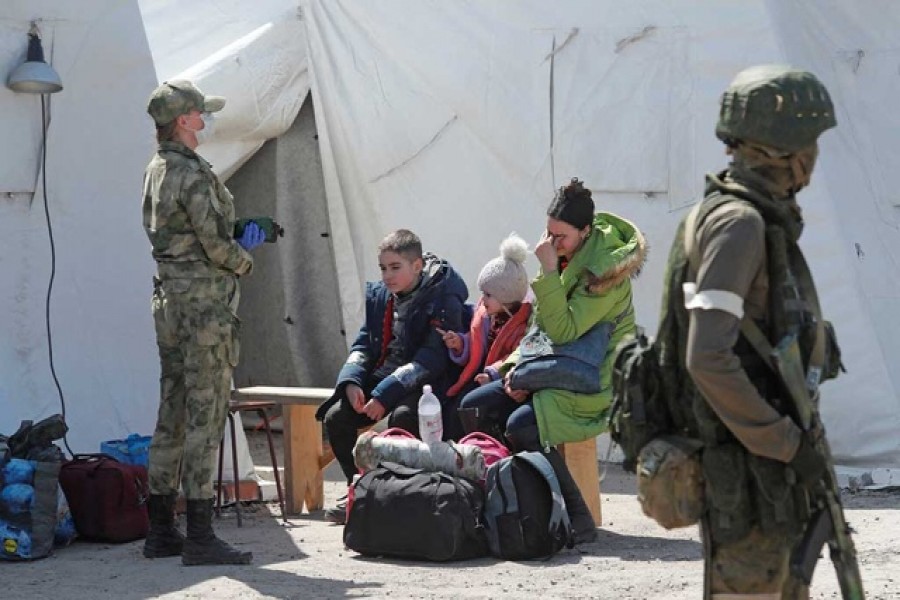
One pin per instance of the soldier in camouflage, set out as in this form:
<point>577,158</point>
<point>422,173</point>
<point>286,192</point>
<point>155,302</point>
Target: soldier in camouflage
<point>739,256</point>
<point>189,217</point>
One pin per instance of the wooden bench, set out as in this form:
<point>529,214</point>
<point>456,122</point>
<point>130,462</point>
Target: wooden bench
<point>304,455</point>
<point>581,458</point>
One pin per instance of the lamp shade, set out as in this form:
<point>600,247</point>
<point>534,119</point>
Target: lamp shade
<point>34,76</point>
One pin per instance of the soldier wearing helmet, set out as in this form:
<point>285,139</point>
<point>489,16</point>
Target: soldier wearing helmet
<point>735,256</point>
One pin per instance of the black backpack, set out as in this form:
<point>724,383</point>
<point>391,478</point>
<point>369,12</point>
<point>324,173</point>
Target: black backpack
<point>525,514</point>
<point>402,512</point>
<point>639,411</point>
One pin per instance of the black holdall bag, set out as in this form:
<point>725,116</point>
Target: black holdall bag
<point>403,512</point>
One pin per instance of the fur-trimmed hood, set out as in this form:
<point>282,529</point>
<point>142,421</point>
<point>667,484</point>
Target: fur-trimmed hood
<point>616,250</point>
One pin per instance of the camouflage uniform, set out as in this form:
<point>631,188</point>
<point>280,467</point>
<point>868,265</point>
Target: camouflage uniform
<point>189,217</point>
<point>757,464</point>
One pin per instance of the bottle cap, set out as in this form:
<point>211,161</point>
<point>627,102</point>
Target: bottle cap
<point>426,389</point>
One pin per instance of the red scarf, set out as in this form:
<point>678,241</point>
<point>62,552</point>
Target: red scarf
<point>386,330</point>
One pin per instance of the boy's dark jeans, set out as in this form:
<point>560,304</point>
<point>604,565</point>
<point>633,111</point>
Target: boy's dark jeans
<point>342,422</point>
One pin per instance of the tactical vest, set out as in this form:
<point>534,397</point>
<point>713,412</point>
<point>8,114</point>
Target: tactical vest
<point>743,490</point>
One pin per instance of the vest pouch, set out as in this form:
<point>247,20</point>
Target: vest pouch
<point>773,488</point>
<point>670,481</point>
<point>727,495</point>
<point>710,428</point>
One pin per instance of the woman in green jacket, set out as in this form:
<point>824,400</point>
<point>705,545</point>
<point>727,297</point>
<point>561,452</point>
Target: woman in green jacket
<point>587,262</point>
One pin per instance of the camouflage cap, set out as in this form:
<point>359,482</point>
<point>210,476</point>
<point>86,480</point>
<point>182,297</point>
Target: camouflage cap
<point>178,97</point>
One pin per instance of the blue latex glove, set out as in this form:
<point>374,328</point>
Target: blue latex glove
<point>252,237</point>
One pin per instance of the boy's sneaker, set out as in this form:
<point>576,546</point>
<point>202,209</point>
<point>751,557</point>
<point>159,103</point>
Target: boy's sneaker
<point>338,513</point>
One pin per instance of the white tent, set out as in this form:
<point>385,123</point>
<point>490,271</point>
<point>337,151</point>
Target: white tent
<point>457,120</point>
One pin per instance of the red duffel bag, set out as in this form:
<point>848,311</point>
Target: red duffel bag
<point>108,499</point>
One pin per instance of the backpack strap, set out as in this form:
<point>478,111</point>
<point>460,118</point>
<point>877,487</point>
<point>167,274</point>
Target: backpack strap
<point>695,219</point>
<point>558,514</point>
<point>495,503</point>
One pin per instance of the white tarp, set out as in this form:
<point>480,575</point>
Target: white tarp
<point>458,119</point>
<point>98,144</point>
<point>100,139</point>
<point>254,54</point>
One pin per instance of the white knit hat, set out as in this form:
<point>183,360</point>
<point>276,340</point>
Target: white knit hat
<point>504,277</point>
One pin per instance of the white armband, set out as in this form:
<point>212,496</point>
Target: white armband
<point>712,299</point>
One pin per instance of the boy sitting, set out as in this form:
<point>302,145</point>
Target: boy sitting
<point>397,350</point>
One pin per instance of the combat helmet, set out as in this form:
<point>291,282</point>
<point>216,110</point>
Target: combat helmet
<point>775,106</point>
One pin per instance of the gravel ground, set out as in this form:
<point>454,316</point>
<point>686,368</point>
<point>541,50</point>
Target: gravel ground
<point>634,559</point>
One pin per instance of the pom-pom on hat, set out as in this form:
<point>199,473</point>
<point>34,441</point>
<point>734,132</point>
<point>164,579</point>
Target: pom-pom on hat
<point>504,277</point>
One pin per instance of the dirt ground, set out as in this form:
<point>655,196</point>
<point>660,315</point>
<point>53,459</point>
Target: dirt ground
<point>634,559</point>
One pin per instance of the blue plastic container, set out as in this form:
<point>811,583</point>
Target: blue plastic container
<point>133,450</point>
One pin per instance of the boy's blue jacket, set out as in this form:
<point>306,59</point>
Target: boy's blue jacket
<point>438,302</point>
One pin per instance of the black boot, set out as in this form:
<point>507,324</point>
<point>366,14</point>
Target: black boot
<point>469,419</point>
<point>475,419</point>
<point>579,514</point>
<point>163,539</point>
<point>202,547</point>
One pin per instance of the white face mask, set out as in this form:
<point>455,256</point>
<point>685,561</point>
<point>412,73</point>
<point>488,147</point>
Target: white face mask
<point>209,128</point>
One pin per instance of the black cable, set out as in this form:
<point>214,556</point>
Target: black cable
<point>62,400</point>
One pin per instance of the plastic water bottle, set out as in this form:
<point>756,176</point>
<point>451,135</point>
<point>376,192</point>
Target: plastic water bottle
<point>431,427</point>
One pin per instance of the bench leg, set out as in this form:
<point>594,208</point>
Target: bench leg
<point>581,458</point>
<point>303,479</point>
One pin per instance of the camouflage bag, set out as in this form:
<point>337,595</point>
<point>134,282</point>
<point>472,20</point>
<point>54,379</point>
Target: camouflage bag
<point>670,481</point>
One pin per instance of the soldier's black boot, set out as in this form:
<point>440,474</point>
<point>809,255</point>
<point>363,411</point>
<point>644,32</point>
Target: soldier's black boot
<point>202,547</point>
<point>579,514</point>
<point>528,438</point>
<point>163,539</point>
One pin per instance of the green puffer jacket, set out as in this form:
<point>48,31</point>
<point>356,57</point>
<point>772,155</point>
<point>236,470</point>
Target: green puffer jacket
<point>595,286</point>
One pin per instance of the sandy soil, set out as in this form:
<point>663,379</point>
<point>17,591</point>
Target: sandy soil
<point>634,558</point>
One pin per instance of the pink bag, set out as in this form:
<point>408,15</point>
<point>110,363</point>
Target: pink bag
<point>397,432</point>
<point>490,447</point>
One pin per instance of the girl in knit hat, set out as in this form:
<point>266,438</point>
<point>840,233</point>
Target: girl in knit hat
<point>499,322</point>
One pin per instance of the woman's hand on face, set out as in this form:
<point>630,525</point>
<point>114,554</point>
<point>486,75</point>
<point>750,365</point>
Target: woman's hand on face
<point>545,251</point>
<point>517,395</point>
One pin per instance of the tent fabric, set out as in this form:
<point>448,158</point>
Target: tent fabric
<point>254,54</point>
<point>110,55</point>
<point>458,120</point>
<point>98,144</point>
<point>455,119</point>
